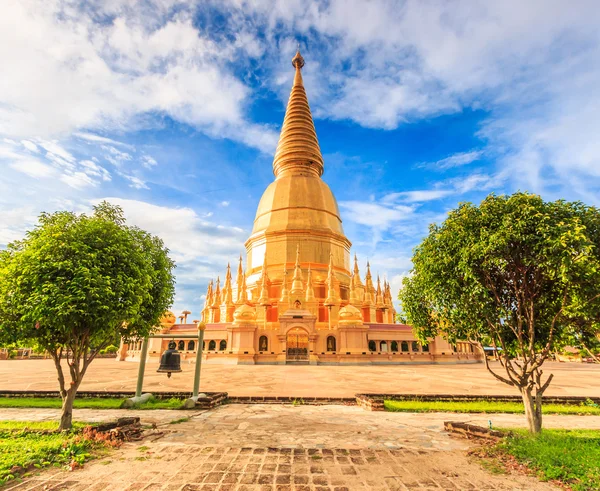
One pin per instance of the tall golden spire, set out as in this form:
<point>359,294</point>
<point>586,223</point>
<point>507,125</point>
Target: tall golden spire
<point>357,281</point>
<point>264,286</point>
<point>331,299</point>
<point>297,280</point>
<point>239,281</point>
<point>227,298</point>
<point>217,295</point>
<point>379,294</point>
<point>310,291</point>
<point>298,150</point>
<point>243,294</point>
<point>285,294</point>
<point>369,289</point>
<point>353,300</point>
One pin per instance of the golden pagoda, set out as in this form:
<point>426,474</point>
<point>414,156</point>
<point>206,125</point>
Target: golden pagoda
<point>298,300</point>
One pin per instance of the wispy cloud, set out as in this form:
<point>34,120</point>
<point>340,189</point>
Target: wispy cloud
<point>456,160</point>
<point>455,186</point>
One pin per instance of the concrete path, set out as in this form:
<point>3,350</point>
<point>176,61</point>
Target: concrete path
<point>283,448</point>
<point>570,379</point>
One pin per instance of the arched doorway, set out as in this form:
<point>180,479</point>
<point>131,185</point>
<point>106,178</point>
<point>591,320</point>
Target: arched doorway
<point>297,345</point>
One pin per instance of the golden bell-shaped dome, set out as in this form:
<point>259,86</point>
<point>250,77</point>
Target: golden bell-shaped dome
<point>168,319</point>
<point>298,209</point>
<point>244,313</point>
<point>350,316</point>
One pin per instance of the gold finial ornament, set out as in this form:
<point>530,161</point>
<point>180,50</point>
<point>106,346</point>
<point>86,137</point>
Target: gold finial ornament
<point>298,61</point>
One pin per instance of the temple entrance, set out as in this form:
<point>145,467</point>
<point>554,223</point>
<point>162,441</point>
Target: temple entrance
<point>297,346</point>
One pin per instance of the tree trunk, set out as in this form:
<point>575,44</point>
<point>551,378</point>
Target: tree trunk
<point>533,409</point>
<point>66,417</point>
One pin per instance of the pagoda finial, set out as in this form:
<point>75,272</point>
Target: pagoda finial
<point>298,151</point>
<point>298,61</point>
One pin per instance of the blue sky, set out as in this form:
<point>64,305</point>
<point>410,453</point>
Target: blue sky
<point>172,110</point>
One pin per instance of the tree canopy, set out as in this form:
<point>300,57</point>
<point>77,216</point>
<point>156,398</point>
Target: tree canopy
<point>77,281</point>
<point>516,273</point>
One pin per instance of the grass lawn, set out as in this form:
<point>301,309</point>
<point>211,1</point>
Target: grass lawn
<point>569,456</point>
<point>29,445</point>
<point>484,407</point>
<point>91,403</point>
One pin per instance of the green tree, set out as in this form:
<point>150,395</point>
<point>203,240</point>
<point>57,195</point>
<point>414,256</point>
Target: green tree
<point>77,282</point>
<point>516,272</point>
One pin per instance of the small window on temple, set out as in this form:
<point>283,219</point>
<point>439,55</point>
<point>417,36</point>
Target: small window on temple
<point>223,345</point>
<point>212,345</point>
<point>181,345</point>
<point>191,346</point>
<point>415,346</point>
<point>263,343</point>
<point>425,348</point>
<point>331,343</point>
<point>404,347</point>
<point>383,346</point>
<point>394,346</point>
<point>372,346</point>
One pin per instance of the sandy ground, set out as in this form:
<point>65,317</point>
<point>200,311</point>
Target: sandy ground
<point>301,381</point>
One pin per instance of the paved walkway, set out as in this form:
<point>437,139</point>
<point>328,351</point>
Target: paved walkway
<point>284,448</point>
<point>301,381</point>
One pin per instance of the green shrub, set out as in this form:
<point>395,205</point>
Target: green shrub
<point>109,350</point>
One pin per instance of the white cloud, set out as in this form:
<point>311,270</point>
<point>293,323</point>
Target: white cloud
<point>188,235</point>
<point>477,181</point>
<point>224,203</point>
<point>32,147</point>
<point>455,160</point>
<point>100,139</point>
<point>374,214</point>
<point>148,161</point>
<point>136,182</point>
<point>78,180</point>
<point>106,75</point>
<point>418,196</point>
<point>32,167</point>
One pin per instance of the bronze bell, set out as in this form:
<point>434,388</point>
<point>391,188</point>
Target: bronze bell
<point>170,361</point>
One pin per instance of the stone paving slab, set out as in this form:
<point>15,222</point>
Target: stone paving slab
<point>287,448</point>
<point>570,379</point>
